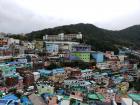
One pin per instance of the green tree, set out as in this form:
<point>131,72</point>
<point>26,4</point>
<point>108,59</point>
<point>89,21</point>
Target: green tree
<point>137,85</point>
<point>53,66</point>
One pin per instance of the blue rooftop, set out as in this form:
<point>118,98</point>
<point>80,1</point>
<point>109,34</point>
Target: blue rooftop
<point>72,57</point>
<point>25,100</point>
<point>58,70</point>
<point>60,91</point>
<point>13,63</point>
<point>4,102</point>
<point>10,97</point>
<point>3,48</point>
<point>44,71</point>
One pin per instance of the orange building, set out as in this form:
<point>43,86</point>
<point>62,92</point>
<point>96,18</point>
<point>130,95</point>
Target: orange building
<point>3,41</point>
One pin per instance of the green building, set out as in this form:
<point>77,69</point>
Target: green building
<point>7,70</point>
<point>42,88</point>
<point>82,55</point>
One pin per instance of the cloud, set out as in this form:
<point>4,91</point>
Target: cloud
<point>17,16</point>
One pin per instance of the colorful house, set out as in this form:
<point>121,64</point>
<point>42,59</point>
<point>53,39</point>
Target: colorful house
<point>82,55</point>
<point>98,56</point>
<point>87,74</point>
<point>45,73</point>
<point>52,48</point>
<point>58,71</point>
<point>38,45</point>
<point>7,69</point>
<point>81,47</point>
<point>45,89</point>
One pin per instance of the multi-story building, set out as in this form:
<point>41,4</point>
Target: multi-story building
<point>98,56</point>
<point>62,37</point>
<point>3,40</point>
<point>39,45</point>
<point>28,79</point>
<point>128,101</point>
<point>58,71</point>
<point>61,41</point>
<point>45,73</point>
<point>82,55</point>
<point>52,48</point>
<point>76,74</point>
<point>62,45</point>
<point>75,82</point>
<point>7,70</point>
<point>58,78</point>
<point>11,80</point>
<point>42,88</point>
<point>87,74</point>
<point>81,47</point>
<point>65,54</point>
<point>102,66</point>
<point>5,51</point>
<point>29,45</point>
<point>13,41</point>
<point>36,75</point>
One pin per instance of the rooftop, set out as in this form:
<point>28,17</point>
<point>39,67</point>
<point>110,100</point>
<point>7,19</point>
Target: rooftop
<point>10,97</point>
<point>86,70</point>
<point>135,97</point>
<point>96,96</point>
<point>4,102</point>
<point>44,71</point>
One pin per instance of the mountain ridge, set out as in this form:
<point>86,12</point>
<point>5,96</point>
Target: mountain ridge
<point>100,39</point>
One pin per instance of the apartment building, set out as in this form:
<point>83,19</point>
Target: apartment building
<point>62,37</point>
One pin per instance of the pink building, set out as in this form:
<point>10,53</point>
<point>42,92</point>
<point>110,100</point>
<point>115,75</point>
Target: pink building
<point>4,89</point>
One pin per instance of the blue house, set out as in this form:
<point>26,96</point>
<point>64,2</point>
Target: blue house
<point>58,71</point>
<point>98,56</point>
<point>44,72</point>
<point>52,48</point>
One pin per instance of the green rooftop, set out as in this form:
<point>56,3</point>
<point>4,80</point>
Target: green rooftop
<point>83,104</point>
<point>96,96</point>
<point>66,97</point>
<point>92,96</point>
<point>135,97</point>
<point>100,96</point>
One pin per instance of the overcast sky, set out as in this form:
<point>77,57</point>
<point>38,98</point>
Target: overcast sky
<point>17,16</point>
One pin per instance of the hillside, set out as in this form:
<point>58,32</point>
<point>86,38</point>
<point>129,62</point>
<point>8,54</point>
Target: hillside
<point>100,39</point>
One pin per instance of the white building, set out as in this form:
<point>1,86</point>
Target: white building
<point>52,48</point>
<point>13,41</point>
<point>87,74</point>
<point>63,45</point>
<point>36,75</point>
<point>76,82</point>
<point>29,45</point>
<point>102,66</point>
<point>128,101</point>
<point>62,37</point>
<point>65,102</point>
